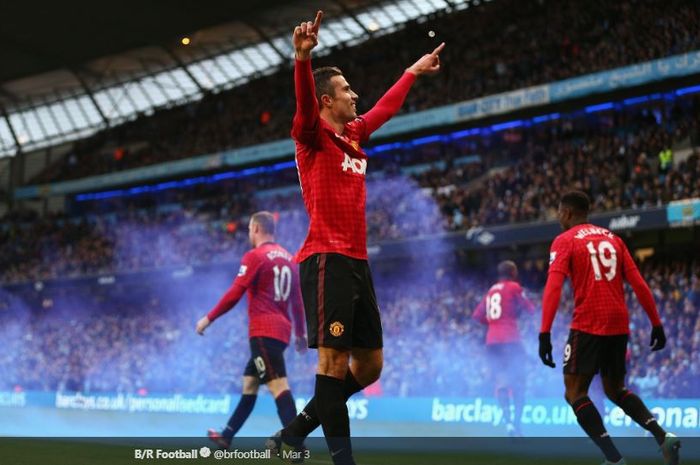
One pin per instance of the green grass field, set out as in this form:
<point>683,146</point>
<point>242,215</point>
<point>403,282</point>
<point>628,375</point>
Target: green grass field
<point>67,452</point>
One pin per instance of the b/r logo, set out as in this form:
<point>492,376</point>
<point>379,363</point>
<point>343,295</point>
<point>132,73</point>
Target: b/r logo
<point>141,454</point>
<point>356,165</point>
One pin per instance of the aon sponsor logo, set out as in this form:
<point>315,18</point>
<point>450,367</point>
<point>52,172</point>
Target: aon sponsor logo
<point>356,165</point>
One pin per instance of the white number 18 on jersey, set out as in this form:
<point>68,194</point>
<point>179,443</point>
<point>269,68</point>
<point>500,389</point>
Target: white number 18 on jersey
<point>493,306</point>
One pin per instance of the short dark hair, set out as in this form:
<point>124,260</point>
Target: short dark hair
<point>578,201</point>
<point>266,220</point>
<point>507,269</point>
<point>322,79</point>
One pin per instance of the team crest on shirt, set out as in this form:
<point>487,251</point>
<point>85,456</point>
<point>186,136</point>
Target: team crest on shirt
<point>242,270</point>
<point>355,144</point>
<point>552,257</point>
<point>336,328</point>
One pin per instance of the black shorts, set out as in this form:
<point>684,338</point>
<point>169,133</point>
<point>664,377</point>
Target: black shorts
<point>506,363</point>
<point>340,303</point>
<point>266,359</point>
<point>588,354</point>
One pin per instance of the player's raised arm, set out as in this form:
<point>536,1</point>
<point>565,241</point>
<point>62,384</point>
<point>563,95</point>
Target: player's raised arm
<point>391,101</point>
<point>305,37</point>
<point>428,63</point>
<point>305,125</point>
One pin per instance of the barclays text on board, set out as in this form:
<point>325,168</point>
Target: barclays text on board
<point>679,414</point>
<point>128,403</point>
<point>538,416</point>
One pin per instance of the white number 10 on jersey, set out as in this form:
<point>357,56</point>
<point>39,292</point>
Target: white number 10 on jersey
<point>283,282</point>
<point>598,257</point>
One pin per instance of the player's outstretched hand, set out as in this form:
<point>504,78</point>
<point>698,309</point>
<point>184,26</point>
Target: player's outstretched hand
<point>658,338</point>
<point>301,344</point>
<point>305,37</point>
<point>202,325</point>
<point>546,349</point>
<point>428,63</point>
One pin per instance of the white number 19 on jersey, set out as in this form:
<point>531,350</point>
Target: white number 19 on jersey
<point>599,257</point>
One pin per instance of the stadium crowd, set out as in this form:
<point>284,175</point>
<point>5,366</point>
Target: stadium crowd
<point>616,160</point>
<point>139,337</point>
<point>495,47</point>
<point>452,185</point>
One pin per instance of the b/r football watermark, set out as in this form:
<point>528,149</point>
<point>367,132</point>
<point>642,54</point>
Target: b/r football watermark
<point>164,454</point>
<point>205,452</point>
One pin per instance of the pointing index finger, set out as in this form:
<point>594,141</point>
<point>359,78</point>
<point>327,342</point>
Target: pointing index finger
<point>438,49</point>
<point>317,21</point>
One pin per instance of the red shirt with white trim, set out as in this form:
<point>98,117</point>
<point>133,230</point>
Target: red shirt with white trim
<point>597,261</point>
<point>271,279</point>
<point>332,167</point>
<point>500,308</point>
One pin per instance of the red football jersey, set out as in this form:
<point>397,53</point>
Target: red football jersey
<point>596,261</point>
<point>500,308</point>
<point>271,278</point>
<point>332,167</point>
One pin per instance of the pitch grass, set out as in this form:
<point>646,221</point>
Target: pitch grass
<point>68,452</point>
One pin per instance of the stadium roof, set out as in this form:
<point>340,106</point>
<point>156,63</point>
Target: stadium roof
<point>70,69</point>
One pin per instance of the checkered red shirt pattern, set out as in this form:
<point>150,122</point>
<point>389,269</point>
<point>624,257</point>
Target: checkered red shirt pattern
<point>332,167</point>
<point>596,261</point>
<point>271,279</point>
<point>500,308</point>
